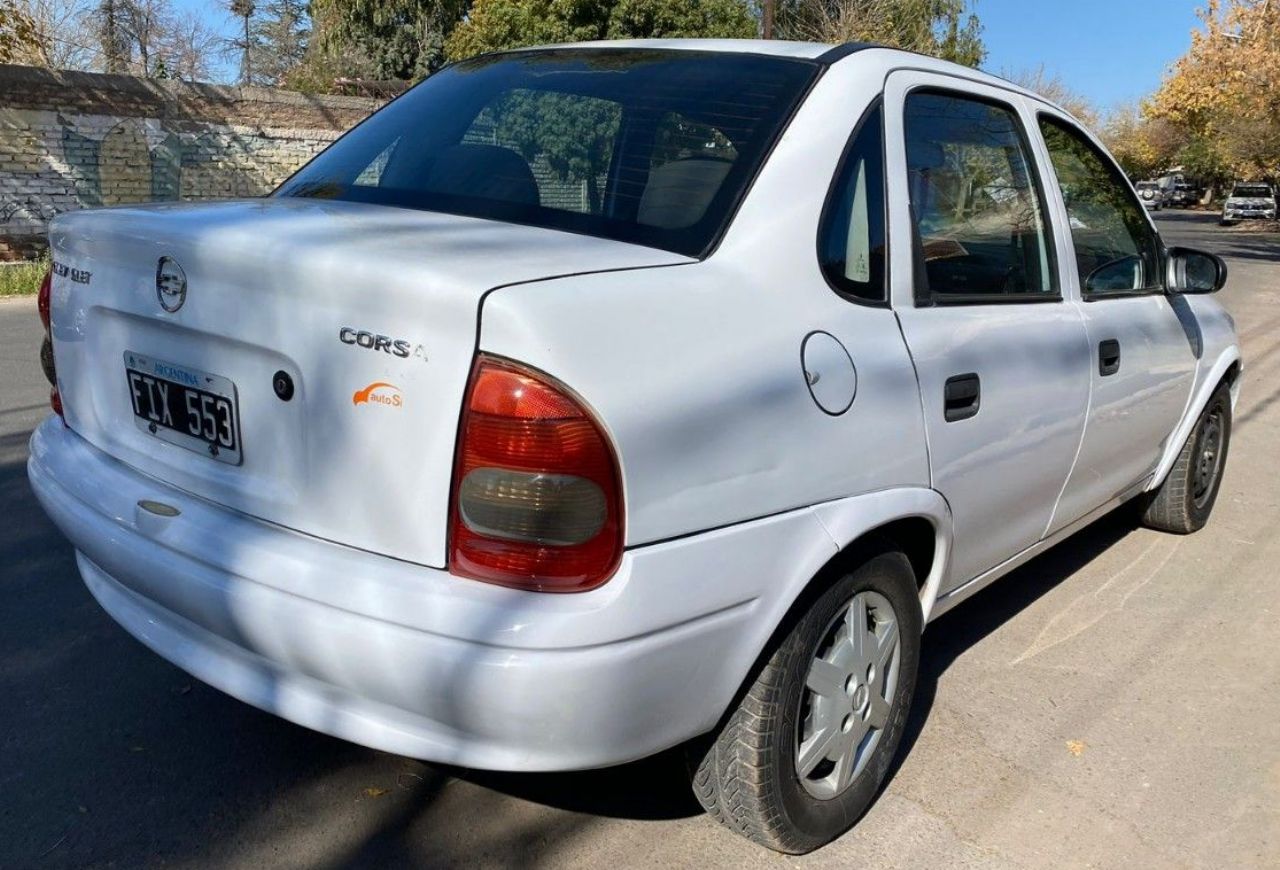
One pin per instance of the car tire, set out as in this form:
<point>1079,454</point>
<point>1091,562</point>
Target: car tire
<point>1185,499</point>
<point>746,774</point>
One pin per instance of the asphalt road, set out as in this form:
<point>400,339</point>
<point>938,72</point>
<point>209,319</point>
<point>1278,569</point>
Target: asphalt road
<point>1114,703</point>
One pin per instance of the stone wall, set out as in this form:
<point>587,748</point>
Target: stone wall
<point>73,140</point>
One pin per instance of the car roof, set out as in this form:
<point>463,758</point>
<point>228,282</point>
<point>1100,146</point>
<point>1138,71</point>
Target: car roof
<point>822,52</point>
<point>774,47</point>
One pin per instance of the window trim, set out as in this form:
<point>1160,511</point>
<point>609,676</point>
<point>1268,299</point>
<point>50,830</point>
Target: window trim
<point>926,297</point>
<point>1117,174</point>
<point>829,206</point>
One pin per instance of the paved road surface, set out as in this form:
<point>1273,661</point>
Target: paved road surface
<point>1113,703</point>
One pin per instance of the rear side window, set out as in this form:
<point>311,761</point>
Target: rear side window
<point>976,204</point>
<point>851,245</point>
<point>654,147</point>
<point>1117,251</point>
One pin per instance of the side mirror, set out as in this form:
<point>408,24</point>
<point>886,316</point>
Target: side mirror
<point>1192,271</point>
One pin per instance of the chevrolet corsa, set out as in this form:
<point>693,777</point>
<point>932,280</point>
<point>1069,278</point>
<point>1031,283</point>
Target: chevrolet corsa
<point>730,365</point>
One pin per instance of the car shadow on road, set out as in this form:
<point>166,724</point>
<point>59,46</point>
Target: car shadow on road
<point>164,768</point>
<point>960,630</point>
<point>658,787</point>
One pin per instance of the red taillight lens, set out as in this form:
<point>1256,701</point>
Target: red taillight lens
<point>46,347</point>
<point>42,298</point>
<point>536,502</point>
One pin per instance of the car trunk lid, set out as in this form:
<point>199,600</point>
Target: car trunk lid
<point>344,334</point>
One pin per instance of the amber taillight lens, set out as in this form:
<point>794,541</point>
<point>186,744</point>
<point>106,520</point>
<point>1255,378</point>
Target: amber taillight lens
<point>537,500</point>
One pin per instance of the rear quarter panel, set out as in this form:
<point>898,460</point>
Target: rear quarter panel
<point>695,369</point>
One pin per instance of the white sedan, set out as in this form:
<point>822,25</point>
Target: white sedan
<point>591,400</point>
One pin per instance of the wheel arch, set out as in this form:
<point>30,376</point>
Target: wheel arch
<point>916,520</point>
<point>1225,369</point>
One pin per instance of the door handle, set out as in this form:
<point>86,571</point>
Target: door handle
<point>1108,357</point>
<point>960,397</point>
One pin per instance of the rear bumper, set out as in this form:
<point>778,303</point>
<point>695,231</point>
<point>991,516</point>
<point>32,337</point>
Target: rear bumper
<point>410,659</point>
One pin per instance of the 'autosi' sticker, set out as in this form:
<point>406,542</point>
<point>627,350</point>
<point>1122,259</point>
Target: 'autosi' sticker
<point>378,393</point>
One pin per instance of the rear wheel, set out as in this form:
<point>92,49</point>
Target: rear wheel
<point>1184,501</point>
<point>807,748</point>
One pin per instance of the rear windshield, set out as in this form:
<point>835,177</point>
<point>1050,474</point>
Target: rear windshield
<point>1251,190</point>
<point>647,146</point>
<point>1146,185</point>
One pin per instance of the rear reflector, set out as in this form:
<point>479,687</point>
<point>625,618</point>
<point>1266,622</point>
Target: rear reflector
<point>537,501</point>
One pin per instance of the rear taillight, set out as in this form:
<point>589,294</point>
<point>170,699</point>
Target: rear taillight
<point>42,298</point>
<point>46,347</point>
<point>537,502</point>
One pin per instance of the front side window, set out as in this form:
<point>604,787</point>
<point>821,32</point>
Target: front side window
<point>1117,251</point>
<point>977,209</point>
<point>648,146</point>
<point>851,240</point>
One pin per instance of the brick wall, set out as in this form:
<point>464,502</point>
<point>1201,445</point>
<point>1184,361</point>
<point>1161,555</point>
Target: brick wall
<point>73,140</point>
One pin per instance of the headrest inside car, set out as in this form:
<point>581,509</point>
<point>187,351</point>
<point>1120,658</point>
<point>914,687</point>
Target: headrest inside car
<point>678,193</point>
<point>486,171</point>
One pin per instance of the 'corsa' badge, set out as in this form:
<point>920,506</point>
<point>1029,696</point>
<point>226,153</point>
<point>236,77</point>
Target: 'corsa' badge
<point>398,347</point>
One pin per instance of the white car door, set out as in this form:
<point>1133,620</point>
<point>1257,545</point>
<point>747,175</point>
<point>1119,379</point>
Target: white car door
<point>1144,356</point>
<point>1001,356</point>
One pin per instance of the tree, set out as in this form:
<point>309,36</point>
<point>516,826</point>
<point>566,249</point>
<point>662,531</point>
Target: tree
<point>376,39</point>
<point>936,27</point>
<point>65,33</point>
<point>1055,90</point>
<point>283,32</point>
<point>113,43</point>
<point>138,37</point>
<point>1134,140</point>
<point>245,44</point>
<point>188,46</point>
<point>1223,95</point>
<point>499,24</point>
<point>19,35</point>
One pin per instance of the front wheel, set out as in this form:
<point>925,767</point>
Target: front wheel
<point>1185,499</point>
<point>804,753</point>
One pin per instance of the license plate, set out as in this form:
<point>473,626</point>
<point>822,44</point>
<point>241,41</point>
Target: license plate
<point>184,406</point>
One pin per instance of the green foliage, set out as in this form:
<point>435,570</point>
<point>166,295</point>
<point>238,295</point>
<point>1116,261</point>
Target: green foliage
<point>681,19</point>
<point>22,279</point>
<point>497,24</point>
<point>283,30</point>
<point>376,39</point>
<point>573,134</point>
<point>942,28</point>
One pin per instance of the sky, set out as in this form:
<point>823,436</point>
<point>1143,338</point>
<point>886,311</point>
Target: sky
<point>1109,51</point>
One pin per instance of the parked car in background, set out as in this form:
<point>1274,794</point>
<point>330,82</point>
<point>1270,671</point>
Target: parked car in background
<point>1249,200</point>
<point>450,453</point>
<point>1183,195</point>
<point>1152,195</point>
